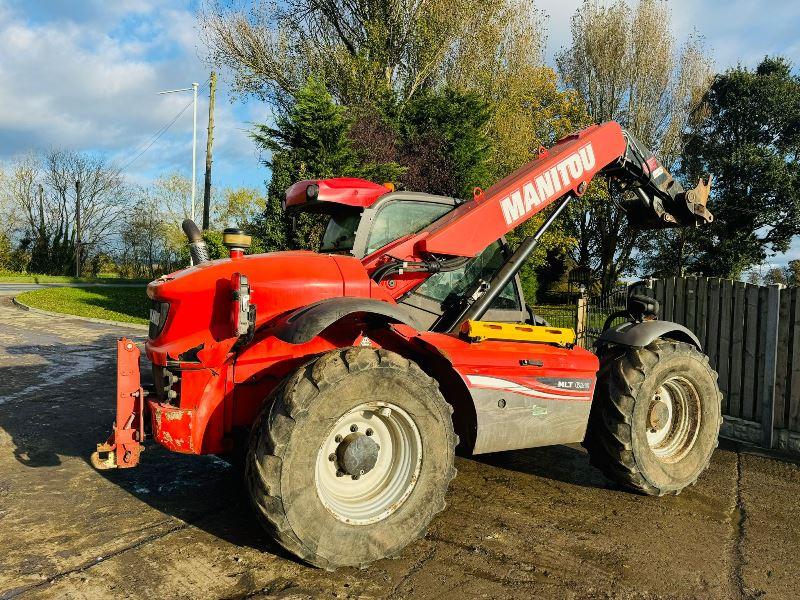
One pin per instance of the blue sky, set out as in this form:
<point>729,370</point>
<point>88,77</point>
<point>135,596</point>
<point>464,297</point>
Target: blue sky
<point>85,75</point>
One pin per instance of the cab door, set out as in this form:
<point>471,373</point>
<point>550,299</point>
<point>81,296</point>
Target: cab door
<point>429,300</point>
<point>402,213</point>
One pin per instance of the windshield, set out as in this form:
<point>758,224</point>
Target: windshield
<point>340,232</point>
<point>402,217</point>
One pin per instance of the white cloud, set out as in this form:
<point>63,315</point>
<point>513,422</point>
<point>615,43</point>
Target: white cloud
<point>86,78</point>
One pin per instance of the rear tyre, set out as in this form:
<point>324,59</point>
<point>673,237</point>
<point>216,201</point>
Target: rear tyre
<point>351,458</point>
<point>655,418</point>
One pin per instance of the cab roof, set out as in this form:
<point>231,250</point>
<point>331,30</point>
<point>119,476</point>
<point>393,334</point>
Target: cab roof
<point>346,191</point>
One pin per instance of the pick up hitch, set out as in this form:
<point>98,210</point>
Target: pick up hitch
<point>124,445</point>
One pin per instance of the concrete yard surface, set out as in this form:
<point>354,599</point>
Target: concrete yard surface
<point>536,523</point>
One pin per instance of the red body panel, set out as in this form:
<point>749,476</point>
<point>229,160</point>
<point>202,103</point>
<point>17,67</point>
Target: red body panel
<point>199,297</point>
<point>523,394</point>
<point>222,385</point>
<point>209,404</point>
<point>348,191</point>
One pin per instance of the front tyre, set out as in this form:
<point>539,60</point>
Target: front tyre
<point>352,458</point>
<point>655,417</point>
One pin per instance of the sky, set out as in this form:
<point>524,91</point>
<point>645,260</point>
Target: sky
<point>86,74</point>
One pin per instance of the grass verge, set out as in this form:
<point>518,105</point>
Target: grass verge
<point>126,304</point>
<point>13,277</point>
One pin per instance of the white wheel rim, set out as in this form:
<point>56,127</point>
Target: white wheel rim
<point>673,436</point>
<point>374,495</point>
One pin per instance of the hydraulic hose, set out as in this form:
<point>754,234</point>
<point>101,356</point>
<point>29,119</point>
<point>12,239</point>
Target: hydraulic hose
<point>432,266</point>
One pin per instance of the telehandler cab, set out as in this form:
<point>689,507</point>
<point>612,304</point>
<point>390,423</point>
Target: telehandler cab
<point>346,377</point>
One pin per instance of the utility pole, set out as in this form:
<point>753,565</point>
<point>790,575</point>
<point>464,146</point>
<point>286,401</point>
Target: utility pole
<point>194,139</point>
<point>194,149</point>
<point>77,228</point>
<point>41,210</point>
<point>209,143</point>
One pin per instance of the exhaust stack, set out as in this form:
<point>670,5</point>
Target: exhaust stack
<point>197,247</point>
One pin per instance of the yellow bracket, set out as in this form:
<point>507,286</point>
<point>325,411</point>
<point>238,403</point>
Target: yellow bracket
<point>477,331</point>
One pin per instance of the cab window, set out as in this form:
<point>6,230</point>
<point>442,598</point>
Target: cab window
<point>445,285</point>
<point>340,232</point>
<point>401,218</point>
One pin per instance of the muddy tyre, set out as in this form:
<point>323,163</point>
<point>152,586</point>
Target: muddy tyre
<point>351,458</point>
<point>655,417</point>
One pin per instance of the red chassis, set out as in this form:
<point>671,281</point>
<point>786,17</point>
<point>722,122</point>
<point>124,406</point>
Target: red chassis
<point>211,380</point>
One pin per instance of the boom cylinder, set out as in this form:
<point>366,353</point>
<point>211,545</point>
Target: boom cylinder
<point>509,270</point>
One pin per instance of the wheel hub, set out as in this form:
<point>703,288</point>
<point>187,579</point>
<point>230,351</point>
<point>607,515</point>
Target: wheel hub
<point>658,415</point>
<point>673,419</point>
<point>368,463</point>
<point>357,454</point>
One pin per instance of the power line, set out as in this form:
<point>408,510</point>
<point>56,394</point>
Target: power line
<point>156,137</point>
<point>159,133</point>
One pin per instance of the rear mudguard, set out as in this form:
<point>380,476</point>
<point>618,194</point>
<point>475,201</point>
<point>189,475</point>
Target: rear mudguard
<point>641,334</point>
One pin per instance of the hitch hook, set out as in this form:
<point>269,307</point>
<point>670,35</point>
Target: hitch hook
<point>122,448</point>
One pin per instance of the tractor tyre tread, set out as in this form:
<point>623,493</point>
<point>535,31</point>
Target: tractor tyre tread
<point>291,401</point>
<point>609,437</point>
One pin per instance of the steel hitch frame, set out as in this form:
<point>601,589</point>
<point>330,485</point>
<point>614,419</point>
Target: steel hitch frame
<point>122,448</point>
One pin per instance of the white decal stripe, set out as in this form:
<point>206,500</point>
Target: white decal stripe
<point>541,388</point>
<point>557,396</point>
<point>510,386</point>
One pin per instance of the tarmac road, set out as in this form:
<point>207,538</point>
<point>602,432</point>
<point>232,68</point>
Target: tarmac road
<point>538,523</point>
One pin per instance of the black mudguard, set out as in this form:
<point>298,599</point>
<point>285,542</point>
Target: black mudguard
<point>308,322</point>
<point>641,334</point>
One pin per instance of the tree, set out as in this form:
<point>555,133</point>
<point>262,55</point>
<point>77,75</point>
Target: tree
<point>775,276</point>
<point>793,273</point>
<point>310,141</point>
<point>362,50</point>
<point>151,239</point>
<point>6,253</point>
<point>502,62</point>
<point>750,142</point>
<point>623,64</point>
<point>101,201</point>
<point>444,144</point>
<point>240,207</point>
<point>753,277</point>
<point>173,192</point>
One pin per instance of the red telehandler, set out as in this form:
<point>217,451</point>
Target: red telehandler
<point>345,378</point>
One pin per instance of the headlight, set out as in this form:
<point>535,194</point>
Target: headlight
<point>158,318</point>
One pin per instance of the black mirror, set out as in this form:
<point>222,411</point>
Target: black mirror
<point>642,307</point>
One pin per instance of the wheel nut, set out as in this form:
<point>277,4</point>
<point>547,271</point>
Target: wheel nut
<point>337,439</point>
<point>331,457</point>
<point>369,432</point>
<point>353,428</point>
